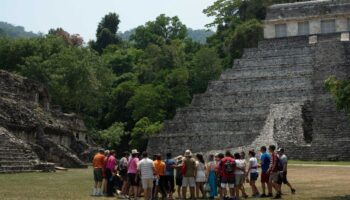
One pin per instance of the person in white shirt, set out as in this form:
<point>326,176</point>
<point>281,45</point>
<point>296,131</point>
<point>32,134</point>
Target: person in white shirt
<point>146,170</point>
<point>239,173</point>
<point>252,173</point>
<point>284,162</point>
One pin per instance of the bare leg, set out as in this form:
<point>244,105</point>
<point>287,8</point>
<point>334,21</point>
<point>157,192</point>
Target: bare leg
<point>237,188</point>
<point>244,194</point>
<point>201,188</point>
<point>269,187</point>
<point>184,192</point>
<point>197,190</point>
<point>263,188</point>
<point>232,192</point>
<point>179,192</point>
<point>192,192</point>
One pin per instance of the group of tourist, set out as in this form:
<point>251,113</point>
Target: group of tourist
<point>222,176</point>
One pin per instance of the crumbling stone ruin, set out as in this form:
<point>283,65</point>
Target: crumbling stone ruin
<point>275,93</point>
<point>31,131</point>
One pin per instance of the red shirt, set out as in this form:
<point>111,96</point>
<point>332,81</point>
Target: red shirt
<point>222,167</point>
<point>273,163</point>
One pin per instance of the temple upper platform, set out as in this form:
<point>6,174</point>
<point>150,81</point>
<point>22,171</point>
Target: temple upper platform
<point>307,18</point>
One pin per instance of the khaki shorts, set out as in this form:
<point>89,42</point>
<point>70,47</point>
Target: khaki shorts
<point>239,179</point>
<point>274,177</point>
<point>188,181</point>
<point>147,183</point>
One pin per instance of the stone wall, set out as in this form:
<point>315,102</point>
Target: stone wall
<point>274,94</point>
<point>26,113</point>
<point>310,12</point>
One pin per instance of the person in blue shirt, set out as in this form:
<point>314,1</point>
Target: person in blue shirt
<point>265,164</point>
<point>170,165</point>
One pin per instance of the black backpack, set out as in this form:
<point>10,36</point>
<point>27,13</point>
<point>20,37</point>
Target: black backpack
<point>279,164</point>
<point>229,167</point>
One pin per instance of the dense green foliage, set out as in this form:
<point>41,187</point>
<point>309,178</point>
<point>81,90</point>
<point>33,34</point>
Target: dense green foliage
<point>197,35</point>
<point>340,89</point>
<point>125,89</point>
<point>12,31</point>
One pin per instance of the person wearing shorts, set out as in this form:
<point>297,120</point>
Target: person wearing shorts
<point>146,171</point>
<point>239,174</point>
<point>132,172</point>
<point>98,163</point>
<point>123,172</point>
<point>189,173</point>
<point>275,171</point>
<point>284,162</point>
<point>178,177</point>
<point>252,173</point>
<point>227,167</point>
<point>218,158</point>
<point>169,174</point>
<point>265,164</point>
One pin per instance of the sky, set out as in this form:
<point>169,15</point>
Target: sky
<point>82,16</point>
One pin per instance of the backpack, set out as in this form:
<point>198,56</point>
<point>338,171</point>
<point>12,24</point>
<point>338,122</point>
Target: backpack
<point>279,164</point>
<point>229,167</point>
<point>122,166</point>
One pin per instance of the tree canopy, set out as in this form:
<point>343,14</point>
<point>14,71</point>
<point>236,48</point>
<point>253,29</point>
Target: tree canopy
<point>125,89</point>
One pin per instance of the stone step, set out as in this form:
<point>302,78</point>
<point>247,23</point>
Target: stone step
<point>222,110</point>
<point>16,171</point>
<point>24,162</point>
<point>248,99</point>
<point>257,73</point>
<point>10,147</point>
<point>260,84</point>
<point>211,141</point>
<point>7,169</point>
<point>264,53</point>
<point>219,114</point>
<point>283,43</point>
<point>178,126</point>
<point>6,157</point>
<point>195,117</point>
<point>245,63</point>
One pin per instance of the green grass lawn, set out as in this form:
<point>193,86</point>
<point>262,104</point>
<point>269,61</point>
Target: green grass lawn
<point>299,162</point>
<point>318,182</point>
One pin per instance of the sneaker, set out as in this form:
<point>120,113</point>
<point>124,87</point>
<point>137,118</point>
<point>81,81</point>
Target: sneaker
<point>278,196</point>
<point>256,195</point>
<point>269,195</point>
<point>293,191</point>
<point>263,196</point>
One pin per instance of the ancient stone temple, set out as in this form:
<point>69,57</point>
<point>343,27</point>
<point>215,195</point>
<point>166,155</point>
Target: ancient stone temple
<point>275,93</point>
<point>31,131</point>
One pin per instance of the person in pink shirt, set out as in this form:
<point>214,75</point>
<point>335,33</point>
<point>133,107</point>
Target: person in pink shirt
<point>110,172</point>
<point>132,172</point>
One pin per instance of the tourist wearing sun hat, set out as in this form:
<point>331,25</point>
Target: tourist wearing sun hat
<point>132,172</point>
<point>134,152</point>
<point>189,173</point>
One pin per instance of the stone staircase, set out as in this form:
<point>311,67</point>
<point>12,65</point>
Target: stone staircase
<point>15,156</point>
<point>234,109</point>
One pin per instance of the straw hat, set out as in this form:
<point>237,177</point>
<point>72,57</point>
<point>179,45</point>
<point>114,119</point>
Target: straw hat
<point>188,153</point>
<point>134,151</point>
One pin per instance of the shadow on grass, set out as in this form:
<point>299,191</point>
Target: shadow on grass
<point>346,197</point>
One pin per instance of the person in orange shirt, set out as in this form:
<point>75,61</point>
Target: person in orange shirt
<point>97,164</point>
<point>160,168</point>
